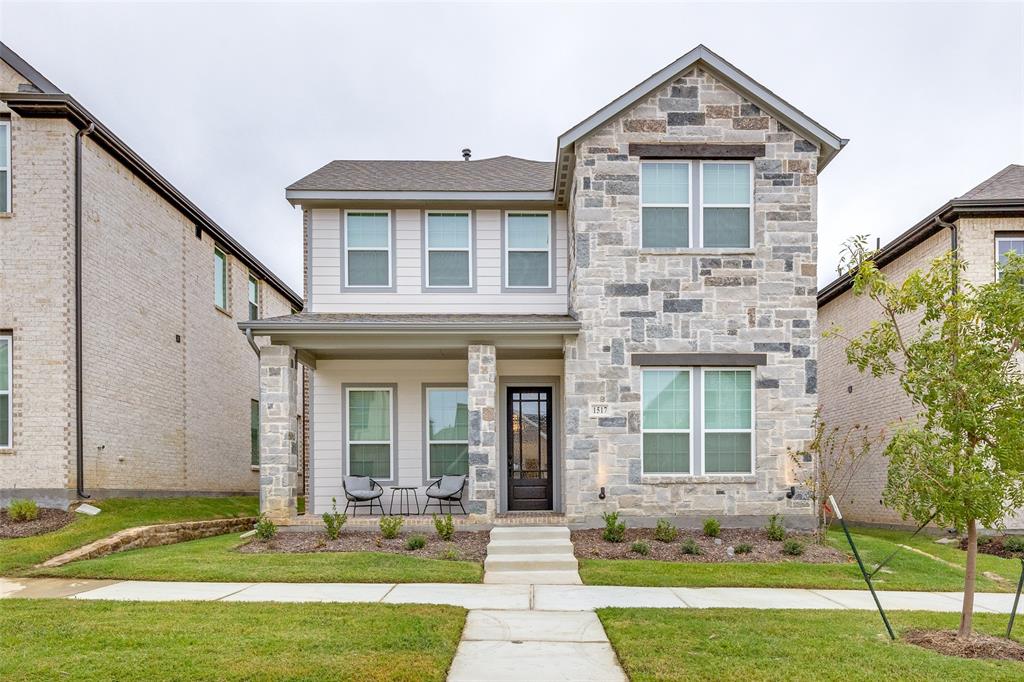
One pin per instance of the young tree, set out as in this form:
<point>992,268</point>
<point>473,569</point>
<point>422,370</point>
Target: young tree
<point>955,350</point>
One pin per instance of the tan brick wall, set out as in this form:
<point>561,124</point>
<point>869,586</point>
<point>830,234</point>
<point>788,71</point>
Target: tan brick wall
<point>977,244</point>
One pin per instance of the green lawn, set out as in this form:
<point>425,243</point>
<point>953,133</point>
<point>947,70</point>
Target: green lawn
<point>747,644</point>
<point>17,556</point>
<point>213,559</point>
<point>906,571</point>
<point>62,639</point>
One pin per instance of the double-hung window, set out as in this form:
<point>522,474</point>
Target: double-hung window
<point>674,216</point>
<point>449,248</point>
<point>447,431</point>
<point>254,298</point>
<point>368,249</point>
<point>370,432</point>
<point>698,421</point>
<point>220,279</point>
<point>254,432</point>
<point>1006,245</point>
<point>528,250</point>
<point>5,166</point>
<point>665,204</point>
<point>5,392</point>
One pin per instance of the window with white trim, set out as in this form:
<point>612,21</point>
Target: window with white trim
<point>5,166</point>
<point>697,421</point>
<point>674,216</point>
<point>369,432</point>
<point>726,204</point>
<point>665,204</point>
<point>254,433</point>
<point>368,248</point>
<point>6,422</point>
<point>254,298</point>
<point>449,250</point>
<point>528,250</point>
<point>220,279</point>
<point>1005,245</point>
<point>447,431</point>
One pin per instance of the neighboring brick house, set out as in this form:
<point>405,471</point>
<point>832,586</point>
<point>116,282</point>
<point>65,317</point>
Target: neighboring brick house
<point>631,328</point>
<point>983,224</point>
<point>166,378</point>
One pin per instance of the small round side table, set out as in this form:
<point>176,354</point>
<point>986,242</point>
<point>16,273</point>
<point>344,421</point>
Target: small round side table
<point>404,500</point>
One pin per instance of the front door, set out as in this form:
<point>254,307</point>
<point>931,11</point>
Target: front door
<point>529,441</point>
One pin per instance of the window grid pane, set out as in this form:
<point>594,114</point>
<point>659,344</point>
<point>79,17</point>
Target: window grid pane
<point>448,268</point>
<point>370,460</point>
<point>726,453</point>
<point>528,268</point>
<point>368,268</point>
<point>726,183</point>
<point>1005,246</point>
<point>220,279</point>
<point>366,230</point>
<point>5,362</point>
<point>665,183</point>
<point>447,231</point>
<point>369,414</point>
<point>448,414</point>
<point>727,399</point>
<point>665,227</point>
<point>451,459</point>
<point>666,395</point>
<point>726,227</point>
<point>529,231</point>
<point>667,453</point>
<point>254,432</point>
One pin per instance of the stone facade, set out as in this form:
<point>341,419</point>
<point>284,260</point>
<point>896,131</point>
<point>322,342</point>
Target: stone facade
<point>279,452</point>
<point>629,300</point>
<point>167,377</point>
<point>483,446</point>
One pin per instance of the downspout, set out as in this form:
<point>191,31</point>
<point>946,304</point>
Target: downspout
<point>252,343</point>
<point>953,241</point>
<point>79,440</point>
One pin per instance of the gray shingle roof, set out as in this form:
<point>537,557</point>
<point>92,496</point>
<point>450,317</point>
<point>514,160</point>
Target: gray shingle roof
<point>1006,184</point>
<point>500,174</point>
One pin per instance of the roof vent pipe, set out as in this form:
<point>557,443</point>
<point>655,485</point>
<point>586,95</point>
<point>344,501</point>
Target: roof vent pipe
<point>466,153</point>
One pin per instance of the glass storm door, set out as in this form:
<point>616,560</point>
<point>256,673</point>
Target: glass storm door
<point>529,434</point>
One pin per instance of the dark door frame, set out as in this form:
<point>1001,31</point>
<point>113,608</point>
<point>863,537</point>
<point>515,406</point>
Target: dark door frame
<point>543,485</point>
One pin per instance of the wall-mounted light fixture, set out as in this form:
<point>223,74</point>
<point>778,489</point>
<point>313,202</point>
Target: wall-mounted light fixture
<point>601,494</point>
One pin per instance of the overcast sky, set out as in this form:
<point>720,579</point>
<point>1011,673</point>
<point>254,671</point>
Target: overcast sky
<point>233,102</point>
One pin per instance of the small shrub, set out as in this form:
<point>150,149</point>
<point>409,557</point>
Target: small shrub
<point>792,548</point>
<point>712,528</point>
<point>445,527</point>
<point>691,547</point>
<point>743,548</point>
<point>333,521</point>
<point>1013,543</point>
<point>415,542</point>
<point>641,548</point>
<point>265,528</point>
<point>390,526</point>
<point>665,531</point>
<point>451,553</point>
<point>982,541</point>
<point>23,510</point>
<point>776,531</point>
<point>614,530</point>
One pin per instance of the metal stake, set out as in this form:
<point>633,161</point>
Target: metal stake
<point>867,578</point>
<point>1013,614</point>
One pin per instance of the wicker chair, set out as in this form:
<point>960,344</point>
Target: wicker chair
<point>447,489</point>
<point>362,491</point>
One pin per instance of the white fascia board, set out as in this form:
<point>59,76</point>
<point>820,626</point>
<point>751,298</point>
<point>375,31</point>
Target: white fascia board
<point>300,195</point>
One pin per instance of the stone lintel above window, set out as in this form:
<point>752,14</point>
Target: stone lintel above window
<point>698,359</point>
<point>697,150</point>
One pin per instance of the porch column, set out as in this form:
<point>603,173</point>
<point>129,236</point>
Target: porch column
<point>483,451</point>
<point>279,455</point>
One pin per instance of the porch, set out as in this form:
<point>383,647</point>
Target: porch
<point>406,399</point>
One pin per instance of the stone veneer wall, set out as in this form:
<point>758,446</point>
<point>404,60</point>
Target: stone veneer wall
<point>760,300</point>
<point>279,454</point>
<point>483,444</point>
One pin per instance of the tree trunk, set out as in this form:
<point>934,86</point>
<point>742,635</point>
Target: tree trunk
<point>967,613</point>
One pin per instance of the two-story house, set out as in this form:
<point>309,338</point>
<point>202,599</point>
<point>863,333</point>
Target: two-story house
<point>981,227</point>
<point>122,369</point>
<point>628,328</point>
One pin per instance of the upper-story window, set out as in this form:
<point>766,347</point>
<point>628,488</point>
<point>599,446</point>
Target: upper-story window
<point>449,250</point>
<point>672,215</point>
<point>5,392</point>
<point>254,298</point>
<point>368,249</point>
<point>1005,245</point>
<point>5,166</point>
<point>528,250</point>
<point>220,279</point>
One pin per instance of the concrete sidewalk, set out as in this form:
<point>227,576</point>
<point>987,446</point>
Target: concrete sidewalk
<point>502,597</point>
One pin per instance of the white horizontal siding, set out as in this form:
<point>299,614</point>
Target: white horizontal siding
<point>408,296</point>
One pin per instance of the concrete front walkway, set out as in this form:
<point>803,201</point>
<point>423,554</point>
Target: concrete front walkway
<point>503,597</point>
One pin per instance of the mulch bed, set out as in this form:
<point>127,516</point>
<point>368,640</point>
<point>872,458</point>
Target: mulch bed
<point>590,545</point>
<point>993,545</point>
<point>470,545</point>
<point>48,521</point>
<point>976,646</point>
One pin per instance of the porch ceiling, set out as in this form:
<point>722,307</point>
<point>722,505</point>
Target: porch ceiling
<point>353,336</point>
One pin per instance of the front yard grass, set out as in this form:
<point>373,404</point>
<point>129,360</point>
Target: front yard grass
<point>906,571</point>
<point>105,640</point>
<point>214,560</point>
<point>18,556</point>
<point>748,644</point>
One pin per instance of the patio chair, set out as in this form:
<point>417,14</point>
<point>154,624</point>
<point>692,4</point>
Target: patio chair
<point>447,489</point>
<point>361,491</point>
